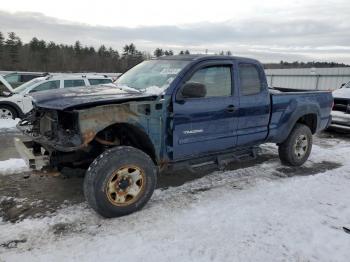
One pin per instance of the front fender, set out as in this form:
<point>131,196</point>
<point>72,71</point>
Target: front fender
<point>93,120</point>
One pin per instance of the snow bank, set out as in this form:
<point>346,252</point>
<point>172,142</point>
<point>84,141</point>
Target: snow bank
<point>12,166</point>
<point>250,214</point>
<point>6,124</point>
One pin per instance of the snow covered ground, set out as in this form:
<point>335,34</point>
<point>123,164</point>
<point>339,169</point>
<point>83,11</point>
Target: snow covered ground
<point>12,166</point>
<point>8,124</point>
<point>263,212</point>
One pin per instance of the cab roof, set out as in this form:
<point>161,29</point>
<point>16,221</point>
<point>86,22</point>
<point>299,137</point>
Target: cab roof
<point>202,57</point>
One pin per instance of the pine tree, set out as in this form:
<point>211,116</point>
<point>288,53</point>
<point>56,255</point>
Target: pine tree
<point>77,48</point>
<point>33,44</point>
<point>12,46</point>
<point>168,52</point>
<point>130,50</point>
<point>102,51</point>
<point>159,52</point>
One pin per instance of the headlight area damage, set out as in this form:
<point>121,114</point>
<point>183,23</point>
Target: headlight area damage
<point>77,137</point>
<point>53,129</point>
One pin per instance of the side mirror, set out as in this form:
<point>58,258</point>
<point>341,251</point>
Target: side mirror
<point>342,85</point>
<point>192,90</point>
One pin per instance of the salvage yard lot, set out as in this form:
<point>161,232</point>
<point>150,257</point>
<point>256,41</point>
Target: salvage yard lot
<point>253,211</point>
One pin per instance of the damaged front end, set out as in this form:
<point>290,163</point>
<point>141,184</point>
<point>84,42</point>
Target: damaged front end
<point>53,129</point>
<point>48,132</point>
<point>76,137</point>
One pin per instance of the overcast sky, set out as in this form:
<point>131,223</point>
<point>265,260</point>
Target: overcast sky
<point>269,30</point>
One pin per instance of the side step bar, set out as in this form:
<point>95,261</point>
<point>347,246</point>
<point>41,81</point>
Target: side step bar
<point>221,160</point>
<point>33,160</point>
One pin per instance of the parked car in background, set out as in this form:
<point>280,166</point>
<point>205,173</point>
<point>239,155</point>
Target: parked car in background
<point>341,108</point>
<point>346,85</point>
<point>17,102</point>
<point>16,79</point>
<point>113,76</point>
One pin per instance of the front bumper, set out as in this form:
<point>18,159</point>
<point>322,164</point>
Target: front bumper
<point>34,160</point>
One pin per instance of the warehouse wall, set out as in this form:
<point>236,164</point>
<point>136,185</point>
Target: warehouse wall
<point>308,78</point>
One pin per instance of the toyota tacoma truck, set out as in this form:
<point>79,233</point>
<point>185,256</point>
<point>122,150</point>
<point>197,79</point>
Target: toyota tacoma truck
<point>167,113</point>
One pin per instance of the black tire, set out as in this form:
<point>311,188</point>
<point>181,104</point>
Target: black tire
<point>292,151</point>
<point>99,177</point>
<point>11,110</point>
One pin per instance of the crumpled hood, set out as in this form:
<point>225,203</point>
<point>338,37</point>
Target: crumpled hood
<point>78,97</point>
<point>342,93</point>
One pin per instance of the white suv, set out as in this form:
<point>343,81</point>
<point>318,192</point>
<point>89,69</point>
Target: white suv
<point>16,102</point>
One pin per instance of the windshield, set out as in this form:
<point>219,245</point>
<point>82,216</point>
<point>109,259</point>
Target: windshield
<point>153,76</point>
<point>23,87</point>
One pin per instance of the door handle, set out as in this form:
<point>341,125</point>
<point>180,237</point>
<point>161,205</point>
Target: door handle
<point>231,108</point>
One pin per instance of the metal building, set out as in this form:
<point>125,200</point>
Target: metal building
<point>308,78</point>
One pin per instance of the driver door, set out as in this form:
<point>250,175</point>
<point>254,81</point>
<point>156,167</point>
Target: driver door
<point>208,124</point>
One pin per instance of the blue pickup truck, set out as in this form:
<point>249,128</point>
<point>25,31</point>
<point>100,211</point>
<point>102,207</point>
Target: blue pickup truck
<point>166,113</point>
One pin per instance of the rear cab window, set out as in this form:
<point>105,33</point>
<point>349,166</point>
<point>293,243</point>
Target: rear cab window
<point>74,83</point>
<point>99,81</point>
<point>249,77</point>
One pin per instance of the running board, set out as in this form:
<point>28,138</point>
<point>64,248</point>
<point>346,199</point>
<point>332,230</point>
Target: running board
<point>219,160</point>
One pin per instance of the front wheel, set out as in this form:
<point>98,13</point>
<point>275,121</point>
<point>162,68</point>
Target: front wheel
<point>7,112</point>
<point>296,149</point>
<point>120,181</point>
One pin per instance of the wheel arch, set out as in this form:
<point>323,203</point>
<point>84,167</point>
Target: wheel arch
<point>132,135</point>
<point>13,106</point>
<point>309,120</point>
<point>307,114</point>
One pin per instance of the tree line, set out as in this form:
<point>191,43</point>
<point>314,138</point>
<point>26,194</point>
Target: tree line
<point>43,56</point>
<point>39,55</point>
<point>296,64</point>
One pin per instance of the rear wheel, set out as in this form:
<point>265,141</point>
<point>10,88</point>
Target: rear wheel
<point>7,112</point>
<point>296,149</point>
<point>120,181</point>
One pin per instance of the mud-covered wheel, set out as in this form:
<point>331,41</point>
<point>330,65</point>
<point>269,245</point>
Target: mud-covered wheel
<point>296,149</point>
<point>120,181</point>
<point>7,112</point>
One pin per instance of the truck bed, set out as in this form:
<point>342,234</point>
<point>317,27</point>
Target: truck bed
<point>287,104</point>
<point>279,90</point>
